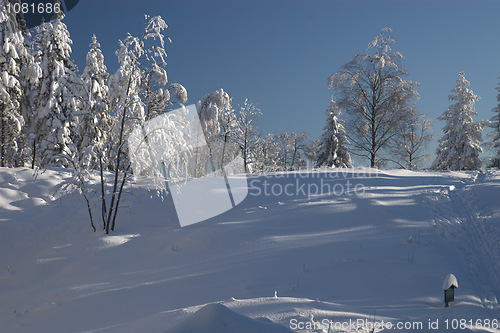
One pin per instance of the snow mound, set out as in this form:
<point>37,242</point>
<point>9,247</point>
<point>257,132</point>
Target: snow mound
<point>218,318</point>
<point>450,280</point>
<point>112,241</point>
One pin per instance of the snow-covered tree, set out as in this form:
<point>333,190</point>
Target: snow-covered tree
<point>134,89</point>
<point>333,151</point>
<point>311,151</point>
<point>459,146</point>
<point>217,122</point>
<point>158,99</point>
<point>18,71</point>
<point>372,90</point>
<point>139,90</point>
<point>410,143</point>
<point>209,109</point>
<point>228,133</point>
<point>266,154</point>
<point>57,97</point>
<point>291,147</point>
<point>495,134</point>
<point>247,132</point>
<point>298,145</point>
<point>280,152</point>
<point>94,122</point>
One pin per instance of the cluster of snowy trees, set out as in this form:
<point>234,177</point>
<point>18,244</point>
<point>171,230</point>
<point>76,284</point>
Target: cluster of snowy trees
<point>382,124</point>
<point>231,131</point>
<point>53,116</point>
<point>282,152</point>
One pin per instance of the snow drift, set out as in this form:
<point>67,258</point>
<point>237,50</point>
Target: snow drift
<point>218,318</point>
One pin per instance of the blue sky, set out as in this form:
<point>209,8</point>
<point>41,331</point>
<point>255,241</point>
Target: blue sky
<point>280,53</point>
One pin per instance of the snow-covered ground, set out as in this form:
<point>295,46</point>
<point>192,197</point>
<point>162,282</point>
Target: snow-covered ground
<point>374,246</point>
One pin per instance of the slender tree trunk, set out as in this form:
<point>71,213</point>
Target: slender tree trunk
<point>90,213</point>
<point>103,195</point>
<point>293,158</point>
<point>117,171</point>
<point>118,199</point>
<point>88,204</point>
<point>83,188</point>
<point>245,161</point>
<point>2,142</point>
<point>223,152</point>
<point>373,143</point>
<point>245,150</point>
<point>118,160</point>
<point>113,195</point>
<point>33,153</point>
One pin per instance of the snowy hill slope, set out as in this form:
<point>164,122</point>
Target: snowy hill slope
<point>334,246</point>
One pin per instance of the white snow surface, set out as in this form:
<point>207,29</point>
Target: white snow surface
<point>218,318</point>
<point>450,280</point>
<point>382,250</point>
